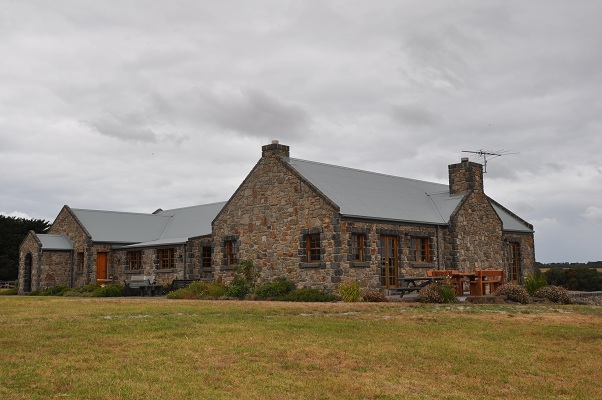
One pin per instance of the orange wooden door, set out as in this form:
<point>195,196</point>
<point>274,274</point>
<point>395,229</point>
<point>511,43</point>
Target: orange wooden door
<point>101,266</point>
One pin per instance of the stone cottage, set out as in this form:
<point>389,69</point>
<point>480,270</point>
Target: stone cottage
<point>319,224</point>
<point>315,223</point>
<point>92,246</point>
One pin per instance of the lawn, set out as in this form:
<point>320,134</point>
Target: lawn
<point>132,348</point>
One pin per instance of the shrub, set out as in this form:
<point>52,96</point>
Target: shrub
<point>277,288</point>
<point>374,296</point>
<point>52,291</point>
<point>554,293</point>
<point>83,291</point>
<point>436,293</point>
<point>350,291</point>
<point>215,290</point>
<point>513,292</point>
<point>533,282</point>
<point>109,291</point>
<point>308,295</point>
<point>238,288</point>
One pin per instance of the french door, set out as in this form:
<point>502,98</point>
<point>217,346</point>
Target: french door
<point>513,256</point>
<point>389,265</point>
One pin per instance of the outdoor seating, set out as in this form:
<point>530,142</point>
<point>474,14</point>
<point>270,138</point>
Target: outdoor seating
<point>486,281</point>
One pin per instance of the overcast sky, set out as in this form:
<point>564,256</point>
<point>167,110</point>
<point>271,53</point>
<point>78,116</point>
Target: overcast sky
<point>135,105</point>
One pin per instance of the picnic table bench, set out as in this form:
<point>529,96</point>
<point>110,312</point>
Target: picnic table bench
<point>415,283</point>
<point>145,284</point>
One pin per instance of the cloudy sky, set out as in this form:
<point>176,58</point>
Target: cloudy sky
<point>135,105</point>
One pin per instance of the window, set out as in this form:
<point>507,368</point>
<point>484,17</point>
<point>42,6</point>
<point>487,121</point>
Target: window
<point>206,257</point>
<point>230,255</point>
<point>79,263</point>
<point>357,247</point>
<point>134,260</point>
<point>419,249</point>
<point>312,247</point>
<point>166,258</point>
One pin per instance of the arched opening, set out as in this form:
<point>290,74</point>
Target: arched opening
<point>27,273</point>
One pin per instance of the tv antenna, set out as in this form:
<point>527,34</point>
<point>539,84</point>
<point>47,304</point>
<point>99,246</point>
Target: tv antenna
<point>488,154</point>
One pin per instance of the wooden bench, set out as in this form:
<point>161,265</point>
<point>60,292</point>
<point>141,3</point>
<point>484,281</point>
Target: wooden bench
<point>145,284</point>
<point>486,281</point>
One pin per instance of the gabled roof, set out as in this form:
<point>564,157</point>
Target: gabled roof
<point>55,242</point>
<point>121,227</point>
<point>372,195</point>
<point>163,228</point>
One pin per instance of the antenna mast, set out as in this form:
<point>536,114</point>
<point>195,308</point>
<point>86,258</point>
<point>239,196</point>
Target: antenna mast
<point>488,153</point>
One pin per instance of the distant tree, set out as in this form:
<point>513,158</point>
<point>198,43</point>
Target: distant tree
<point>579,277</point>
<point>12,232</point>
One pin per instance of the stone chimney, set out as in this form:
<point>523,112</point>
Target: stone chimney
<point>465,176</point>
<point>276,149</point>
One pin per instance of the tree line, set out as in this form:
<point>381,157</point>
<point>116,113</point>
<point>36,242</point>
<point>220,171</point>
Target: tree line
<point>12,232</point>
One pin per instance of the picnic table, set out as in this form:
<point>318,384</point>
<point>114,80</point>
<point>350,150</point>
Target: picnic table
<point>415,283</point>
<point>145,284</point>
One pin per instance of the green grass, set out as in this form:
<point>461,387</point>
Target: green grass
<point>110,348</point>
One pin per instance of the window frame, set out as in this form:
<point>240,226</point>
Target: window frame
<point>420,251</point>
<point>206,258</point>
<point>313,248</point>
<point>166,258</point>
<point>79,262</point>
<point>358,247</point>
<point>230,253</point>
<point>134,260</point>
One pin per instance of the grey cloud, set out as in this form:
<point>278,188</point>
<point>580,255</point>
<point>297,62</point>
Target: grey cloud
<point>416,115</point>
<point>132,127</point>
<point>253,112</point>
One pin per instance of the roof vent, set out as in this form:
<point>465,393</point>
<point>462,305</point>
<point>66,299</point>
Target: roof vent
<point>464,159</point>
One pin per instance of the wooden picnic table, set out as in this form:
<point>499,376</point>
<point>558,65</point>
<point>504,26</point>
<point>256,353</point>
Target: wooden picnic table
<point>415,283</point>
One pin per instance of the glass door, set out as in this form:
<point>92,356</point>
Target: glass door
<point>388,268</point>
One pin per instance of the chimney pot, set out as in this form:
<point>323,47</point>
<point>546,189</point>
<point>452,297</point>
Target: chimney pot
<point>275,141</point>
<point>464,159</point>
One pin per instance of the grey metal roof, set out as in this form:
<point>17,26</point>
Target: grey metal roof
<point>509,222</point>
<point>55,242</point>
<point>144,230</point>
<point>372,195</point>
<point>121,227</point>
<point>190,221</point>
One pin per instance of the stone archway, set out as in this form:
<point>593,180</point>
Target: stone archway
<point>27,273</point>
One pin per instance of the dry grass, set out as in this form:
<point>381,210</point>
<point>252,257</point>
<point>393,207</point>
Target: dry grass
<point>137,348</point>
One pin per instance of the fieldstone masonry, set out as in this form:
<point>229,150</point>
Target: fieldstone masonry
<point>268,218</point>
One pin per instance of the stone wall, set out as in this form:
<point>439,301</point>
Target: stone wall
<point>119,269</point>
<point>66,224</point>
<point>266,217</point>
<point>526,250</point>
<point>475,235</point>
<point>368,272</point>
<point>32,246</point>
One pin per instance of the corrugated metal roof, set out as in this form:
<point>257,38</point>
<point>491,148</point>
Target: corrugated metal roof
<point>122,227</point>
<point>165,227</point>
<point>190,221</point>
<point>55,242</point>
<point>372,195</point>
<point>509,222</point>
